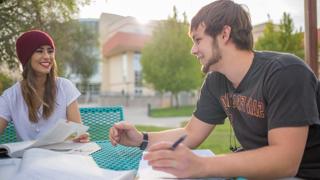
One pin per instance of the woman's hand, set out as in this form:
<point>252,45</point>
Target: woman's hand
<point>83,138</point>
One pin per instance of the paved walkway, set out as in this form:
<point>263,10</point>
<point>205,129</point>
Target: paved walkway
<point>138,116</point>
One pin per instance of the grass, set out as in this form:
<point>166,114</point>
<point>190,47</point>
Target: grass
<point>217,141</point>
<point>172,111</point>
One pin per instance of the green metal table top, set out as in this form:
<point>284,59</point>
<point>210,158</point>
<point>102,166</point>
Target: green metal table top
<point>118,157</point>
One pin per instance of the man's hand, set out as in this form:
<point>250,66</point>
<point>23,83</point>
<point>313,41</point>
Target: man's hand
<point>125,133</point>
<point>180,162</point>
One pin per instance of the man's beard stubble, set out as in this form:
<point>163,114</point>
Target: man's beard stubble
<point>216,57</point>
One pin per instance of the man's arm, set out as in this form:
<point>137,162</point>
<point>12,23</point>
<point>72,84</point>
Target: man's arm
<point>126,134</point>
<point>281,158</point>
<point>196,130</point>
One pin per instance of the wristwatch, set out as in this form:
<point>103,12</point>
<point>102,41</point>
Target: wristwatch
<point>145,141</point>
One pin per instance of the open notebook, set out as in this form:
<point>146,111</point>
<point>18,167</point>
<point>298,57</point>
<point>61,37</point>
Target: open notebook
<point>145,172</point>
<point>58,138</point>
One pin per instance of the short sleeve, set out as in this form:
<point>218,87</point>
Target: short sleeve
<point>70,90</point>
<point>291,97</point>
<point>208,107</point>
<point>4,106</point>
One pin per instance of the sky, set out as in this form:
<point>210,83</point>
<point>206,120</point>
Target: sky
<point>145,10</point>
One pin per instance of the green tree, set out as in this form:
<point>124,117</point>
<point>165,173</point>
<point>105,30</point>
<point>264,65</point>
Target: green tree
<point>166,60</point>
<point>5,82</point>
<point>17,16</point>
<point>85,53</point>
<point>282,38</point>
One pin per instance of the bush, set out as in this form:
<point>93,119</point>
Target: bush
<point>5,82</point>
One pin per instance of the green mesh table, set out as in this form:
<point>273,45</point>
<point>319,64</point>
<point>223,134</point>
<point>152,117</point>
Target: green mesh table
<point>117,157</point>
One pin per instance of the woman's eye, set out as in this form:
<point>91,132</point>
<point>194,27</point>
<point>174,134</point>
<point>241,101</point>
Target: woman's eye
<point>39,51</point>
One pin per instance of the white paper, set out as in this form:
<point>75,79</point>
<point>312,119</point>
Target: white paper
<point>85,148</point>
<point>119,175</point>
<point>42,164</point>
<point>145,172</point>
<point>48,165</point>
<point>63,132</point>
<point>8,168</point>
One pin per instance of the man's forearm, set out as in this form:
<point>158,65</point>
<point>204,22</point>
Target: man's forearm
<point>167,135</point>
<point>267,162</point>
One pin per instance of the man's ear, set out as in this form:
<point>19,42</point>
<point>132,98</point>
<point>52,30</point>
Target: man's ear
<point>226,32</point>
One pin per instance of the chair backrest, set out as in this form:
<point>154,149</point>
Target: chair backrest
<point>99,120</point>
<point>9,134</point>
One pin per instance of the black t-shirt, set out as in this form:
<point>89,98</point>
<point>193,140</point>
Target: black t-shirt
<point>279,90</point>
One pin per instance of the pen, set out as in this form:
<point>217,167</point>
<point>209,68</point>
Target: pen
<point>175,144</point>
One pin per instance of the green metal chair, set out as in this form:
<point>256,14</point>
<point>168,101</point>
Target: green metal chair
<point>99,120</point>
<point>9,134</point>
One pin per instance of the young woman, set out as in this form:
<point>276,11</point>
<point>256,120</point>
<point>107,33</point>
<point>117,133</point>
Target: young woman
<point>41,99</point>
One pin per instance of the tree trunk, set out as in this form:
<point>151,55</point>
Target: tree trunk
<point>177,100</point>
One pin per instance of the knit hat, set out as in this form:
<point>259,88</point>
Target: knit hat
<point>29,41</point>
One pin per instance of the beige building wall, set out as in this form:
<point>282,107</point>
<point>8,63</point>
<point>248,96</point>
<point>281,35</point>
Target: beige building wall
<point>118,75</point>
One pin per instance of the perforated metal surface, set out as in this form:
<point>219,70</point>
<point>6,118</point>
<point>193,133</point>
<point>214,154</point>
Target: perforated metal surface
<point>9,134</point>
<point>117,158</point>
<point>100,120</point>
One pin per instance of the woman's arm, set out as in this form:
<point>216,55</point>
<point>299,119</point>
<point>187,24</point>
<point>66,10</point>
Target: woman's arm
<point>73,114</point>
<point>3,125</point>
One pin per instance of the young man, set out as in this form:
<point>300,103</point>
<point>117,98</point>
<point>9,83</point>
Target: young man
<point>269,97</point>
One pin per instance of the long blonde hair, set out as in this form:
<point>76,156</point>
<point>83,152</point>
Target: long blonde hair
<point>30,95</point>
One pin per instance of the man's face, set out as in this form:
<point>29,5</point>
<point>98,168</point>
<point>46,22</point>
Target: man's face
<point>205,48</point>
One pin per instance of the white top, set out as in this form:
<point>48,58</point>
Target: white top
<point>13,108</point>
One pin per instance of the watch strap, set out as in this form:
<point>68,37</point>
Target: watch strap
<point>145,141</point>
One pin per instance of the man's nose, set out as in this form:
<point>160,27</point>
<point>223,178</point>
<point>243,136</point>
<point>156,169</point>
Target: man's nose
<point>194,49</point>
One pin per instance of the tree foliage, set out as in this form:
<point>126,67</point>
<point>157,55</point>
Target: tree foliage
<point>5,82</point>
<point>17,16</point>
<point>282,38</point>
<point>166,60</point>
<point>85,53</point>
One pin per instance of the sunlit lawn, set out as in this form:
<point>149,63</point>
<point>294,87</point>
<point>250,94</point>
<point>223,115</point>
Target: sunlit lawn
<point>217,142</point>
<point>172,112</point>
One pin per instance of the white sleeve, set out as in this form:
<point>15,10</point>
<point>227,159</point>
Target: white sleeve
<point>70,90</point>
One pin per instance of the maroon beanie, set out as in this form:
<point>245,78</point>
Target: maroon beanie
<point>29,41</point>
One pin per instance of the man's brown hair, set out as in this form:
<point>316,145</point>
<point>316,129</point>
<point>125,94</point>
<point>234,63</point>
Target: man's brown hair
<point>220,13</point>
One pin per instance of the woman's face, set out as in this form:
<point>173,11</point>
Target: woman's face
<point>42,60</point>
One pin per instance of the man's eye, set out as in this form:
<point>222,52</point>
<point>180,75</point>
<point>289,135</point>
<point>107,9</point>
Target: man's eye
<point>50,51</point>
